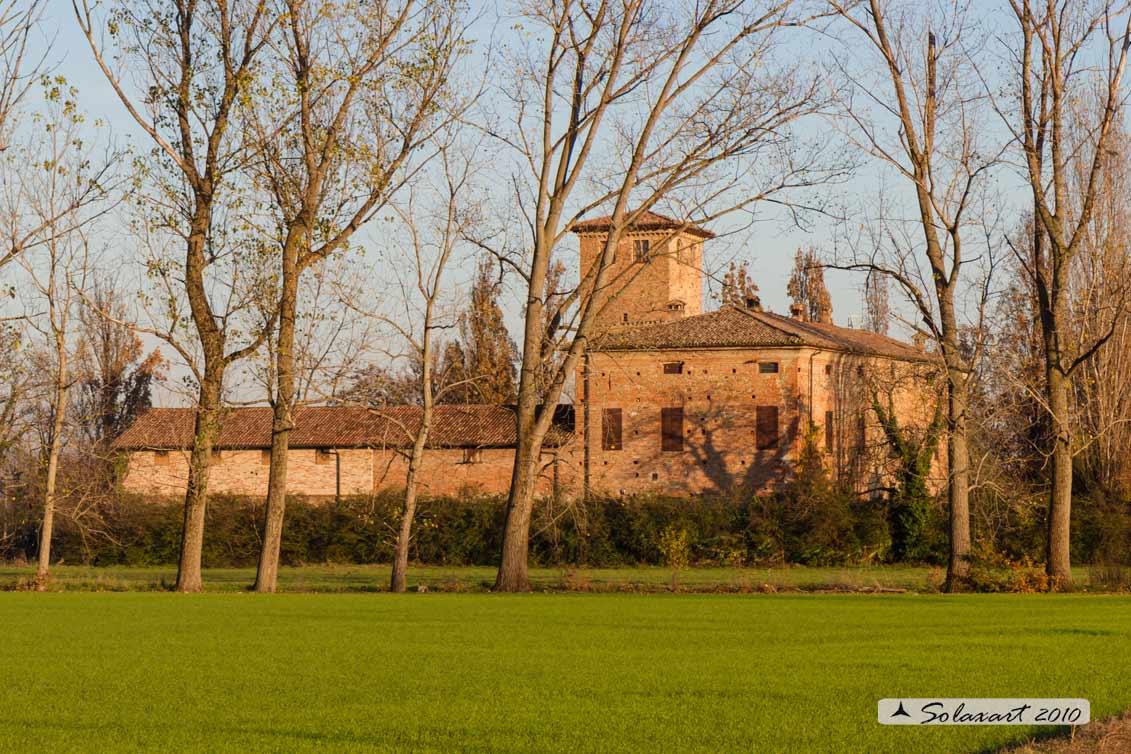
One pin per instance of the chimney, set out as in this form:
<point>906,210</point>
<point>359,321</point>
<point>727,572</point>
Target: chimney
<point>797,311</point>
<point>754,303</point>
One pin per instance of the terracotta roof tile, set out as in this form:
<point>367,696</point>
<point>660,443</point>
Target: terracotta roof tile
<point>734,327</point>
<point>648,220</point>
<point>455,426</point>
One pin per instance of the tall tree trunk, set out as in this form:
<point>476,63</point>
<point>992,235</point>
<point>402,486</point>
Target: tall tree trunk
<point>1058,564</point>
<point>513,575</point>
<point>398,581</point>
<point>958,490</point>
<point>196,494</point>
<point>267,575</point>
<point>59,407</point>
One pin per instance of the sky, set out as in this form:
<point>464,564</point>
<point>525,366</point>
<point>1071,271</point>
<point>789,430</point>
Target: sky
<point>768,245</point>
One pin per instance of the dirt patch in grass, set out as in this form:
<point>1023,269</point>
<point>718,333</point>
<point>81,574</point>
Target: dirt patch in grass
<point>1111,736</point>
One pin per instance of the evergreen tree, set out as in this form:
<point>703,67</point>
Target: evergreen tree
<point>483,359</point>
<point>807,286</point>
<point>877,307</point>
<point>739,288</point>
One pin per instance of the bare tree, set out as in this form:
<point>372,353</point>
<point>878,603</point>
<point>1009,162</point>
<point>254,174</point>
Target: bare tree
<point>55,169</point>
<point>629,103</point>
<point>1065,54</point>
<point>435,237</point>
<point>362,92</point>
<point>185,71</point>
<point>54,179</point>
<point>18,18</point>
<point>921,118</point>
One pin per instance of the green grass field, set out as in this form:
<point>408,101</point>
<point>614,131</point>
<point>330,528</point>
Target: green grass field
<point>372,578</point>
<point>601,673</point>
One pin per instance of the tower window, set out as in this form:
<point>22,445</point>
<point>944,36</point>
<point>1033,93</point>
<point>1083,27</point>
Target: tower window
<point>671,429</point>
<point>641,248</point>
<point>766,427</point>
<point>767,367</point>
<point>675,306</point>
<point>611,429</point>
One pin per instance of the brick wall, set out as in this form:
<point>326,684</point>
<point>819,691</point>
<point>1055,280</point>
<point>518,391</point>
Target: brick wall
<point>720,392</point>
<point>642,292</point>
<point>244,472</point>
<point>445,472</point>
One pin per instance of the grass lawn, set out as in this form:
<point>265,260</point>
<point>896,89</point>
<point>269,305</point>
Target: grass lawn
<point>596,673</point>
<point>369,578</point>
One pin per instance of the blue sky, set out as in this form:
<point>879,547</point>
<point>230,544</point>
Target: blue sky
<point>768,246</point>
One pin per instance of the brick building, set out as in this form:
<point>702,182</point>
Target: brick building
<point>670,399</point>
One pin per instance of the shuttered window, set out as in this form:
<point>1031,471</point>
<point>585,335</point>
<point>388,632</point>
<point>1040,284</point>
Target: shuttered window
<point>766,428</point>
<point>828,430</point>
<point>611,428</point>
<point>671,429</point>
<point>641,249</point>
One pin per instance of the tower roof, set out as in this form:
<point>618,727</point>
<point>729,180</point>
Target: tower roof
<point>647,220</point>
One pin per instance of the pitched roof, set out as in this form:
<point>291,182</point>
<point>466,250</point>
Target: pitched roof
<point>454,426</point>
<point>735,327</point>
<point>647,220</point>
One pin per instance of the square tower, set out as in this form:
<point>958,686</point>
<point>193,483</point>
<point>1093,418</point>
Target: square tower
<point>656,273</point>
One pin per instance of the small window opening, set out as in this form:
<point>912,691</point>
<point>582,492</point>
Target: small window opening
<point>767,367</point>
<point>641,249</point>
<point>673,367</point>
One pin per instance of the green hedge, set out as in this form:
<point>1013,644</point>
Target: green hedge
<point>820,527</point>
<point>604,532</point>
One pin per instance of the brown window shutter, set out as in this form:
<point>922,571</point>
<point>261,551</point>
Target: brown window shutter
<point>766,432</point>
<point>671,429</point>
<point>611,428</point>
<point>828,430</point>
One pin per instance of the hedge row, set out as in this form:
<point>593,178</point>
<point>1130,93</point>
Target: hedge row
<point>824,529</point>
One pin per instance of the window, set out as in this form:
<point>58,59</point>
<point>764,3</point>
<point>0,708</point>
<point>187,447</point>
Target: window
<point>828,368</point>
<point>322,456</point>
<point>673,367</point>
<point>640,249</point>
<point>161,457</point>
<point>675,306</point>
<point>265,458</point>
<point>611,428</point>
<point>671,429</point>
<point>624,317</point>
<point>766,427</point>
<point>828,430</point>
<point>767,367</point>
<point>473,455</point>
<point>861,433</point>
